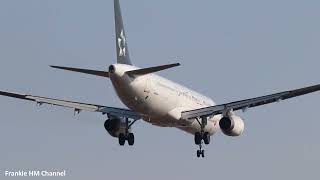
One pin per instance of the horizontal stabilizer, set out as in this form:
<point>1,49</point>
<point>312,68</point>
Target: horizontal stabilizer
<point>151,69</point>
<point>85,71</point>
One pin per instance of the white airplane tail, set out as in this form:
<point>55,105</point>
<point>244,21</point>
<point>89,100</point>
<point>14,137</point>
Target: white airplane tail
<point>121,40</point>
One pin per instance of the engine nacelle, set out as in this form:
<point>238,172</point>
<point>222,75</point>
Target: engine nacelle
<point>115,126</point>
<point>232,126</point>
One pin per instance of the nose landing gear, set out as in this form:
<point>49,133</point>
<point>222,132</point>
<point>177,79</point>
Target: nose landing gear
<point>200,152</point>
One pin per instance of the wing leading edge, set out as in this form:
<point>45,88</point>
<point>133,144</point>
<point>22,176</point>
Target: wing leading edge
<point>77,106</point>
<point>248,103</point>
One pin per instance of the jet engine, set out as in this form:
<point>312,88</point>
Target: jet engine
<point>115,126</point>
<point>232,126</point>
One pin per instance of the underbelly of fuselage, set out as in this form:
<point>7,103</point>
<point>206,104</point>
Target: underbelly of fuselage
<point>155,106</point>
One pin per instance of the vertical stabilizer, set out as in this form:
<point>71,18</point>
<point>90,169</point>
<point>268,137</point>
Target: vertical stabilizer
<point>121,40</point>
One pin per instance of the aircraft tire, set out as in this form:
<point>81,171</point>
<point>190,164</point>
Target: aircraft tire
<point>122,139</point>
<point>197,138</point>
<point>206,138</point>
<point>131,139</point>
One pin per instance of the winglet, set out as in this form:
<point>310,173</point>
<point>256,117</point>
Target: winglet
<point>149,70</point>
<point>85,71</point>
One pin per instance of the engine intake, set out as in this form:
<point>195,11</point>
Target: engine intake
<point>231,126</point>
<point>113,127</point>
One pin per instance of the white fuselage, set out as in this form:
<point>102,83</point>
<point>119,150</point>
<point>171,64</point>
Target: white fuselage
<point>161,101</point>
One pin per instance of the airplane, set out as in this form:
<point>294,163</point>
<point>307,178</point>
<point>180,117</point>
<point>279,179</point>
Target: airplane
<point>159,101</point>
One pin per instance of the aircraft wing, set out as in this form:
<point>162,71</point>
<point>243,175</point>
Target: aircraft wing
<point>77,106</point>
<point>248,103</point>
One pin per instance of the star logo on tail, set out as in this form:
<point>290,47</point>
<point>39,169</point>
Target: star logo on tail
<point>122,44</point>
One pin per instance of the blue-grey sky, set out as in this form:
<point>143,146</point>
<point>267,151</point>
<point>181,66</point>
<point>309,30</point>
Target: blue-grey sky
<point>229,50</point>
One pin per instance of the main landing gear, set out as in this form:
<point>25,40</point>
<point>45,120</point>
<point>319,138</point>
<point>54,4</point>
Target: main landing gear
<point>202,136</point>
<point>127,136</point>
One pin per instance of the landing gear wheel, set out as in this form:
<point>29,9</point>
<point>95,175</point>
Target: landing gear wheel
<point>197,138</point>
<point>127,135</point>
<point>122,139</point>
<point>206,138</point>
<point>131,139</point>
<point>202,135</point>
<point>200,153</point>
